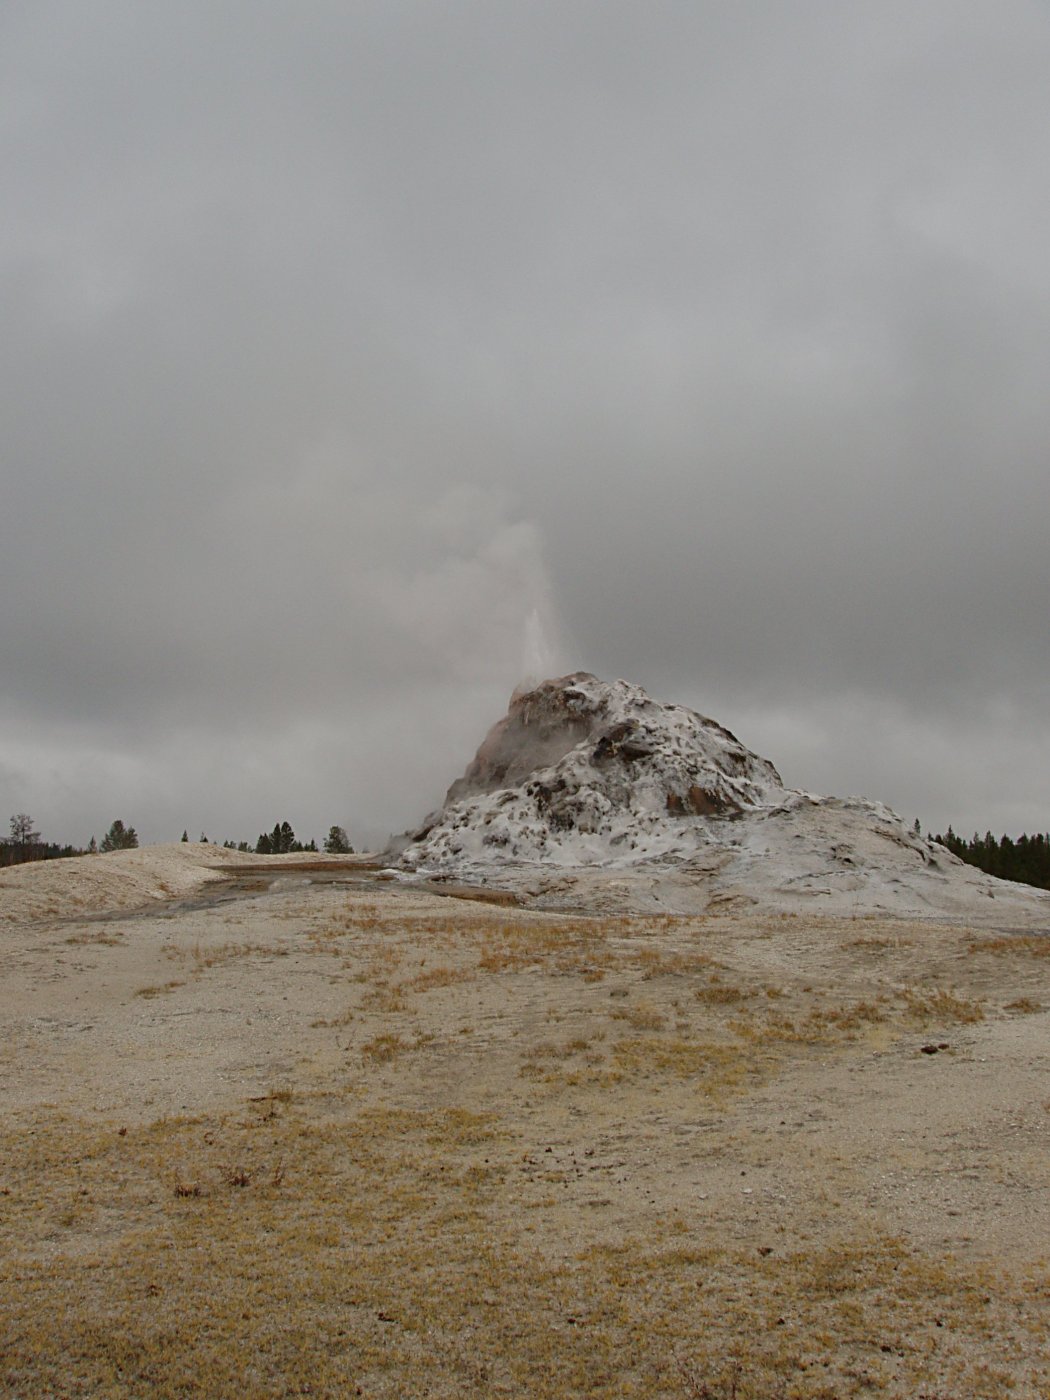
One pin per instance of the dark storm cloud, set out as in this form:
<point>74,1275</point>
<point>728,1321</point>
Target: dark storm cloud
<point>339,342</point>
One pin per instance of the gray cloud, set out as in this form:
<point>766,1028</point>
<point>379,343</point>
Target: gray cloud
<point>337,343</point>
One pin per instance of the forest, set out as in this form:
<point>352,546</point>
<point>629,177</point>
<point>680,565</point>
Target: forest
<point>1025,859</point>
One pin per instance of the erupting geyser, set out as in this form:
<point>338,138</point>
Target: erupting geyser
<point>537,652</point>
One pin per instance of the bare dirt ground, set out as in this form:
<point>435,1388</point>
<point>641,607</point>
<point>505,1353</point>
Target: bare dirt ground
<point>297,1137</point>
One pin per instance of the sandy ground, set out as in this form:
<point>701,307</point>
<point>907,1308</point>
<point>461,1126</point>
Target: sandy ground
<point>383,1143</point>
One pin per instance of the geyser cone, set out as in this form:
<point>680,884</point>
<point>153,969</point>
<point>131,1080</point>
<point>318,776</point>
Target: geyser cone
<point>592,794</point>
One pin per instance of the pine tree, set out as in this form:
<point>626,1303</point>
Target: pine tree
<point>22,833</point>
<point>337,843</point>
<point>278,842</point>
<point>120,838</point>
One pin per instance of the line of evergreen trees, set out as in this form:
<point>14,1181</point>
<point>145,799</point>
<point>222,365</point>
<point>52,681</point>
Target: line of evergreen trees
<point>26,844</point>
<point>1026,859</point>
<point>16,854</point>
<point>281,840</point>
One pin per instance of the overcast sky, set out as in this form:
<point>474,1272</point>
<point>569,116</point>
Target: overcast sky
<point>341,340</point>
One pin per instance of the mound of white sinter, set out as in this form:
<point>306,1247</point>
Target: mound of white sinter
<point>589,792</point>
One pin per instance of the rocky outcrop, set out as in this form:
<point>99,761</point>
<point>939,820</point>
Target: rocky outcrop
<point>540,727</point>
<point>582,771</point>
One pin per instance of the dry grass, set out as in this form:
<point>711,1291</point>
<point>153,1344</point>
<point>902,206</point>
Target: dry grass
<point>112,938</point>
<point>205,956</point>
<point>402,1224</point>
<point>159,990</point>
<point>659,962</point>
<point>440,977</point>
<point>344,1018</point>
<point>385,999</point>
<point>643,1017</point>
<point>335,1252</point>
<point>818,1026</point>
<point>381,1049</point>
<point>1024,1006</point>
<point>939,1007</point>
<point>717,993</point>
<point>712,1067</point>
<point>1027,945</point>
